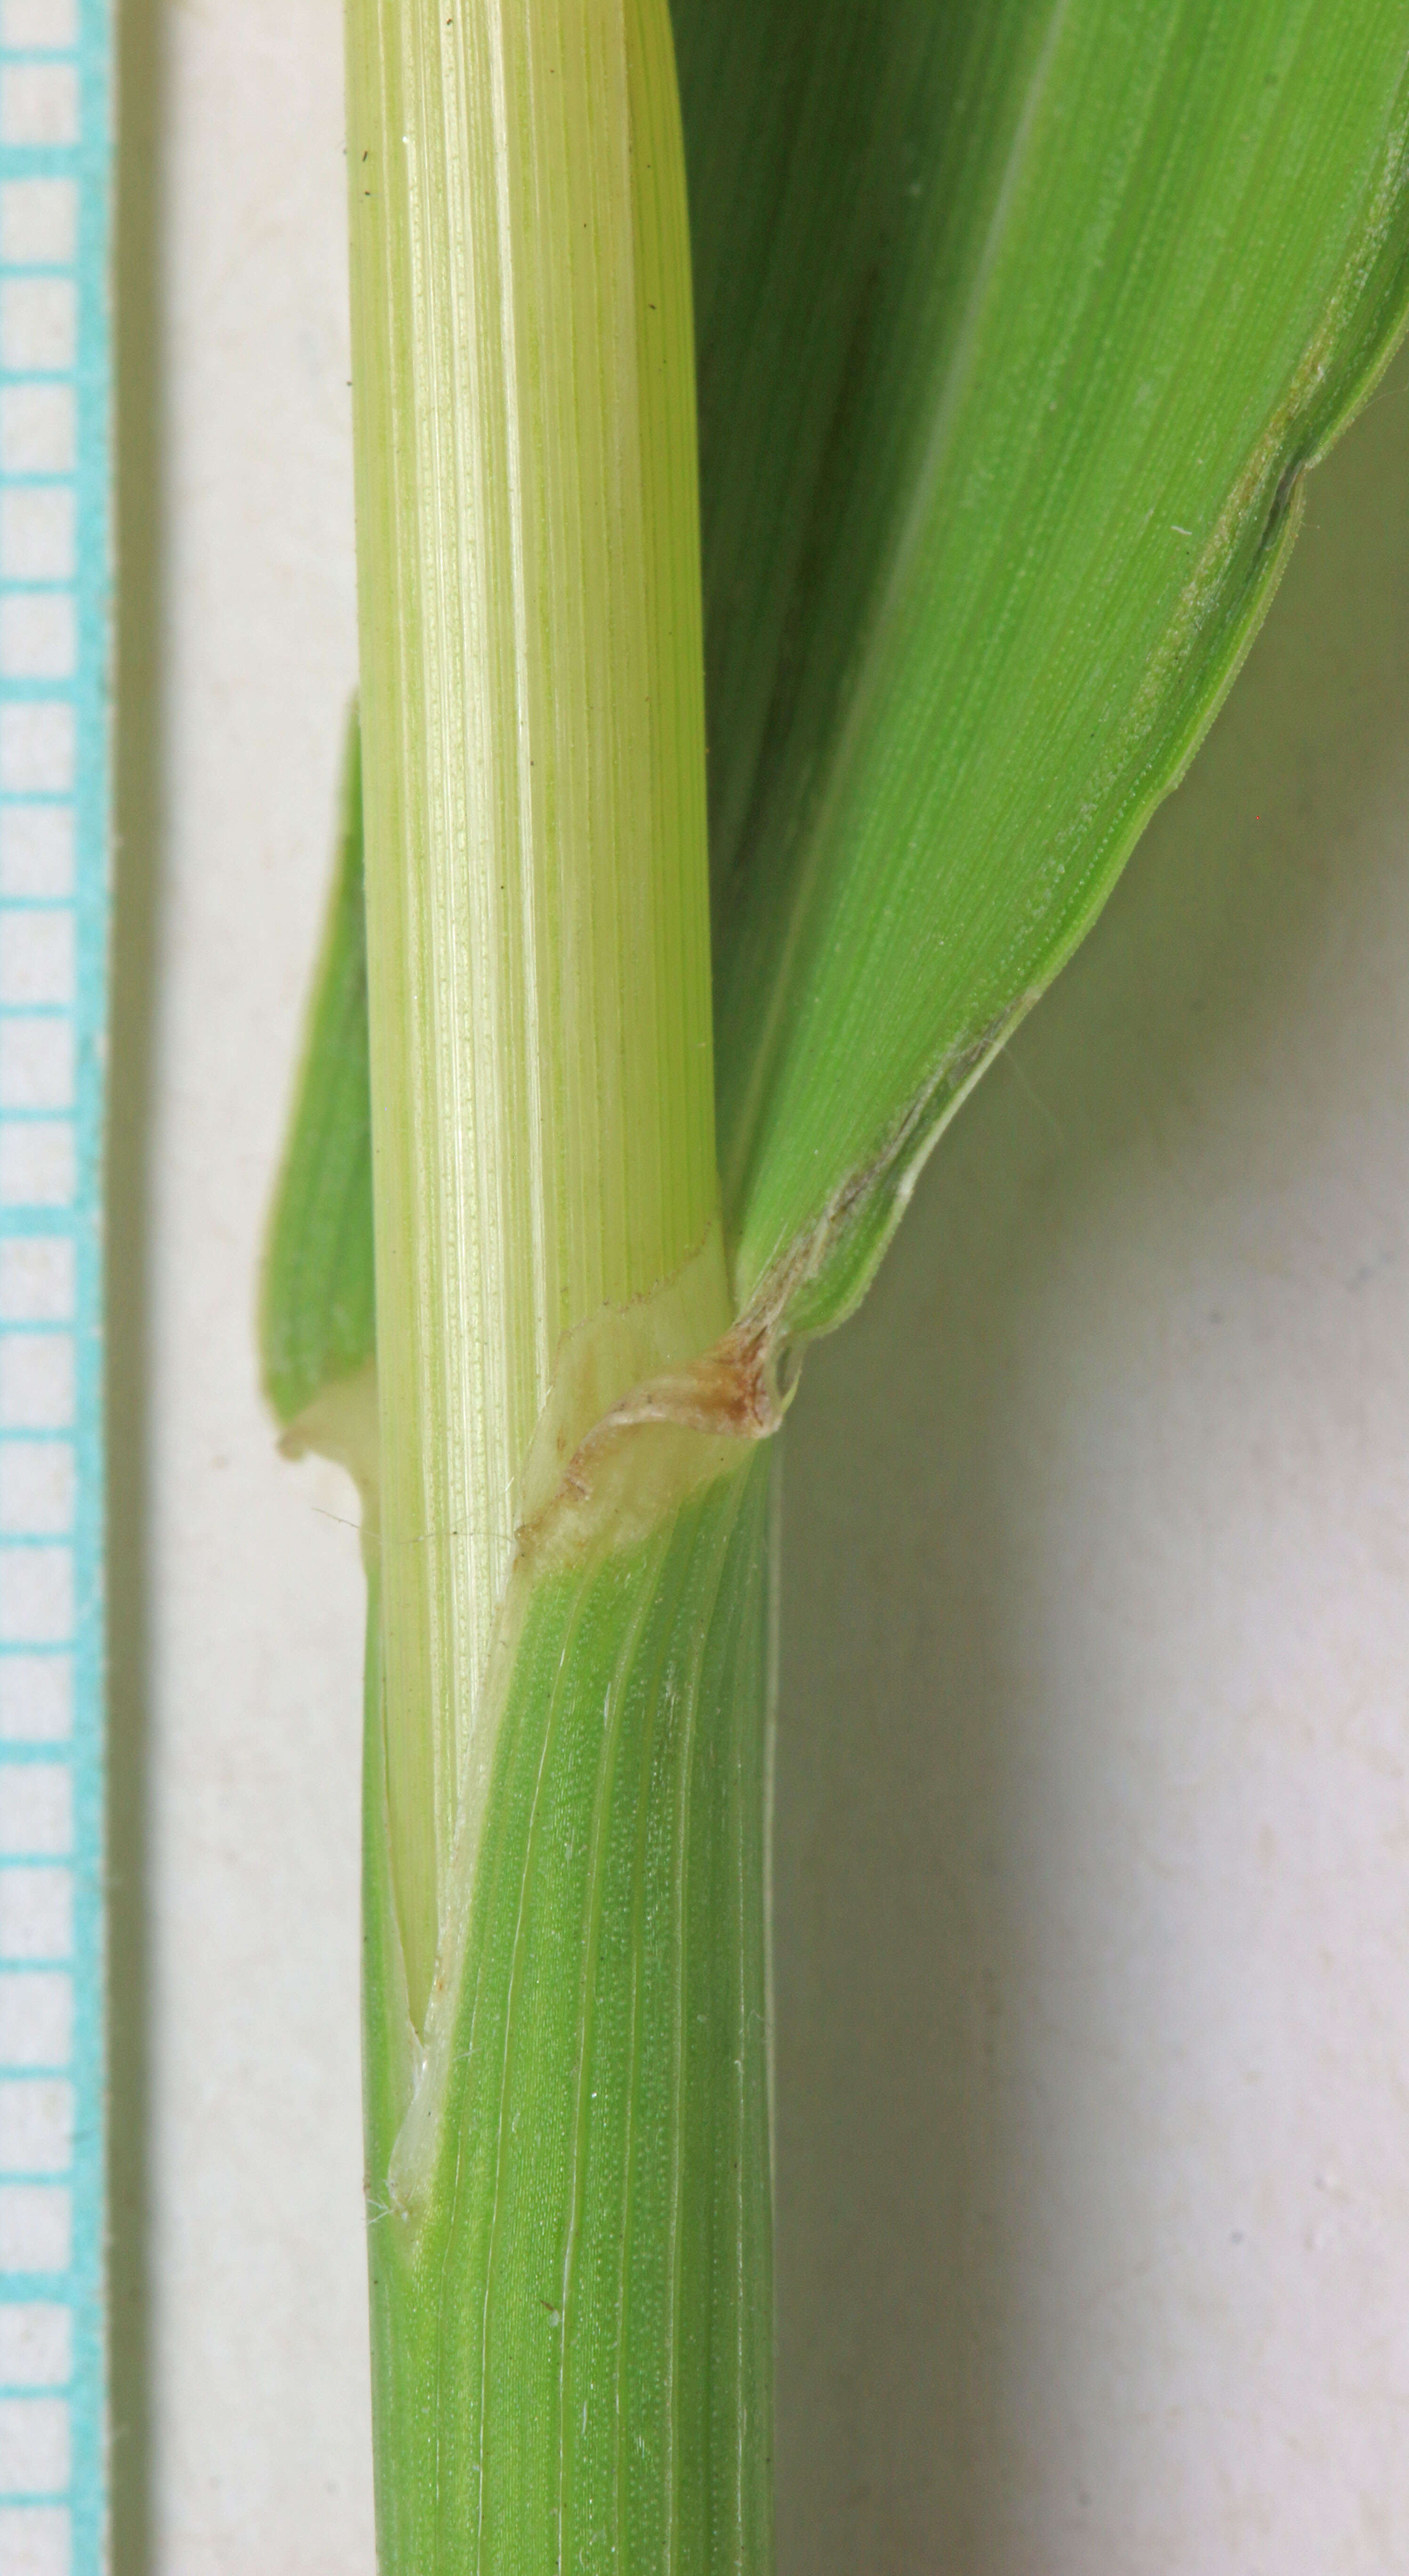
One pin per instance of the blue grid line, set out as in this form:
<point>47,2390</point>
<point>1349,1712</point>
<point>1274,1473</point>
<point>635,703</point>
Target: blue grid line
<point>64,2525</point>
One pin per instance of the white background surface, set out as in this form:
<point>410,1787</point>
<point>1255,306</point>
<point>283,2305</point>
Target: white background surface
<point>1093,1870</point>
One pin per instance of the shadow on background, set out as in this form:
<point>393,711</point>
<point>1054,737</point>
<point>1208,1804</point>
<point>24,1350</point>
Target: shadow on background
<point>138,820</point>
<point>895,1897</point>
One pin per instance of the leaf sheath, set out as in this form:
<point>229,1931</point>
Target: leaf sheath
<point>572,2318</point>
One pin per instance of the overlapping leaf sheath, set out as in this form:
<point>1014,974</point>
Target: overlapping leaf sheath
<point>534,795</point>
<point>572,2291</point>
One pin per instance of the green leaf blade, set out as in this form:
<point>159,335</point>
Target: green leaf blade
<point>1150,263</point>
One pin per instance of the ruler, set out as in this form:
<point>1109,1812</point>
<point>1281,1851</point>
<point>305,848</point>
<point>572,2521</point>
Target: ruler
<point>54,543</point>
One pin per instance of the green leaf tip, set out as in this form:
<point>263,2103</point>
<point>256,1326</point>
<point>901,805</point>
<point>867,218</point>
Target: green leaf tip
<point>317,1309</point>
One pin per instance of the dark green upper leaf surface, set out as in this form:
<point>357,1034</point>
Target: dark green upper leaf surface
<point>1016,325</point>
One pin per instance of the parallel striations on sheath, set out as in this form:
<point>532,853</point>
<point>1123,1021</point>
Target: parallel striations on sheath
<point>533,736</point>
